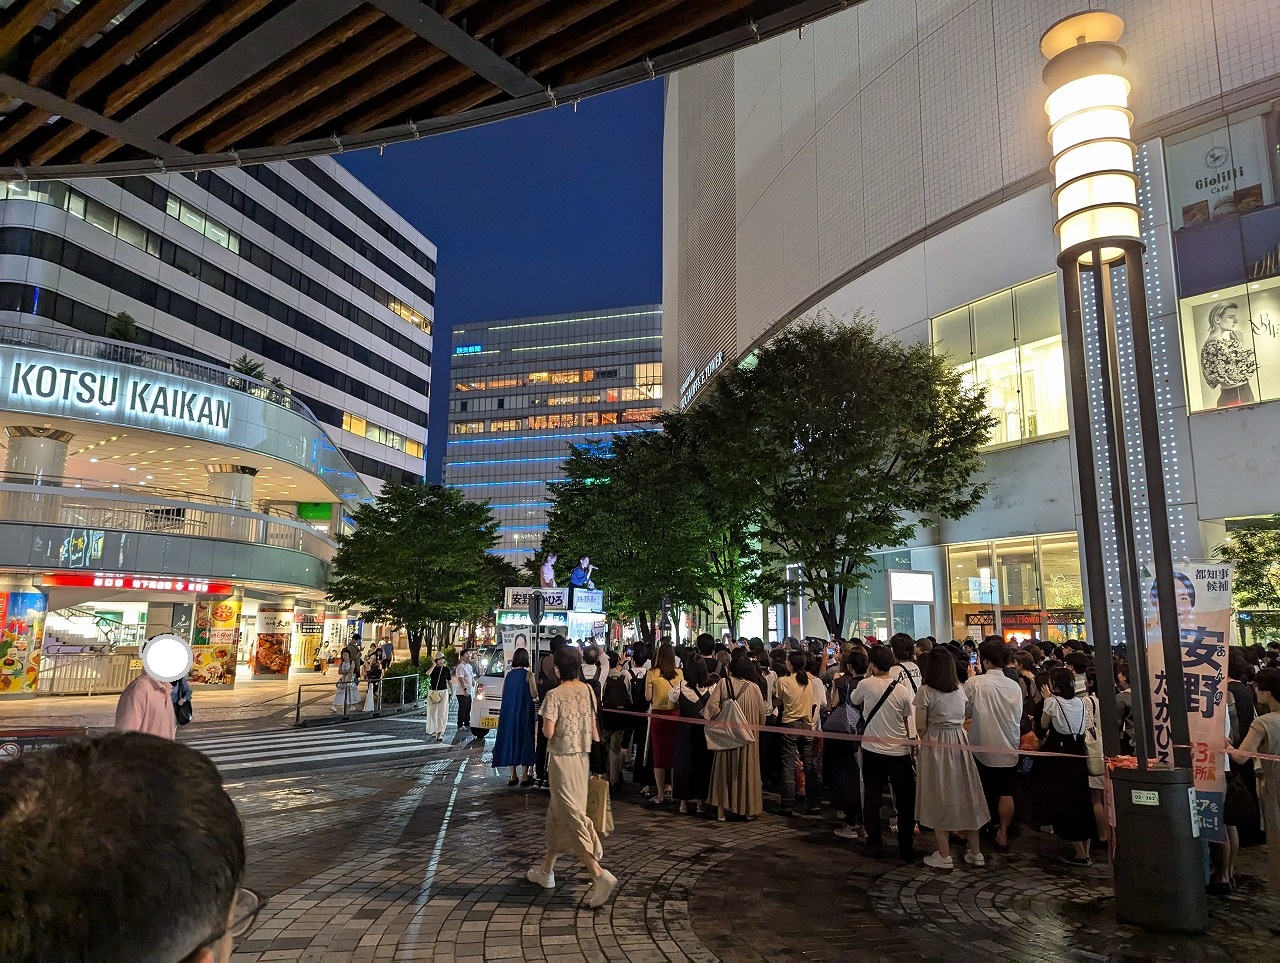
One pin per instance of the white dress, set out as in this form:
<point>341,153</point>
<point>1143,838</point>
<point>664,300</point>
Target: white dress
<point>348,687</point>
<point>949,792</point>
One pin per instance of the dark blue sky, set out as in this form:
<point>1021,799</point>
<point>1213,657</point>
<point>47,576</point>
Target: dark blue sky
<point>554,211</point>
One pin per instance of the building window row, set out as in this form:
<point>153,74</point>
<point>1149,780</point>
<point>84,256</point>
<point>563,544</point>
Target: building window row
<point>1010,343</point>
<point>30,299</point>
<point>583,419</point>
<point>311,170</point>
<point>309,209</point>
<point>383,436</point>
<point>198,220</point>
<point>159,197</point>
<point>134,234</point>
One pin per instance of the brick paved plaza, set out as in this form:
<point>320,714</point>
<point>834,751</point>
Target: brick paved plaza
<point>427,861</point>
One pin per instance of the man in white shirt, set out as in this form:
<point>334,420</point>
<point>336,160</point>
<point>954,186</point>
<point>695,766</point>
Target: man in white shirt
<point>885,701</point>
<point>464,680</point>
<point>997,721</point>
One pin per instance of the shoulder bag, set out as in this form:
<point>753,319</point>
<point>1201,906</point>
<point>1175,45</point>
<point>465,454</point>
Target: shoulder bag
<point>729,729</point>
<point>866,720</point>
<point>1093,740</point>
<point>845,717</point>
<point>599,758</point>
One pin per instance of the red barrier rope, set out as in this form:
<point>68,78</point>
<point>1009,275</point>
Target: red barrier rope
<point>913,743</point>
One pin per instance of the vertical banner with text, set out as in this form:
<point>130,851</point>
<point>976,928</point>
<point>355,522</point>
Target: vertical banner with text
<point>271,656</point>
<point>1203,593</point>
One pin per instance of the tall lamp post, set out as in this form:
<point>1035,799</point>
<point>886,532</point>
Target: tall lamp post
<point>1157,865</point>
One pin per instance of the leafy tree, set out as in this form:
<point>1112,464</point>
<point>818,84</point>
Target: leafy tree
<point>418,556</point>
<point>739,569</point>
<point>123,327</point>
<point>247,366</point>
<point>622,504</point>
<point>845,439</point>
<point>1255,550</point>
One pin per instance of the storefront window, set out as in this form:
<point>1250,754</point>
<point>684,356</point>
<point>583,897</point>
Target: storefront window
<point>1011,345</point>
<point>1231,345</point>
<point>1017,588</point>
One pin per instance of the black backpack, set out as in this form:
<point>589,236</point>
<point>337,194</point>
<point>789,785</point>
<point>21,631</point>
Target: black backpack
<point>637,689</point>
<point>617,694</point>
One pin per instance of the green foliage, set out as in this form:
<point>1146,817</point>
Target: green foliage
<point>502,575</point>
<point>843,440</point>
<point>123,327</point>
<point>247,366</point>
<point>623,505</point>
<point>418,555</point>
<point>739,570</point>
<point>1256,582</point>
<point>407,667</point>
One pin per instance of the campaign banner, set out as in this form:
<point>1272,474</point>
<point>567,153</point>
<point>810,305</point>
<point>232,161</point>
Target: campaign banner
<point>587,600</point>
<point>275,635</point>
<point>552,598</point>
<point>1203,594</point>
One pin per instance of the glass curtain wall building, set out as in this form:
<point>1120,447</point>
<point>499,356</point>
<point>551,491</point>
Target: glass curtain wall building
<point>524,390</point>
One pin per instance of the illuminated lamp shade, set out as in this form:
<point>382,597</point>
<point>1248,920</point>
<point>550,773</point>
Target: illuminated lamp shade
<point>1095,187</point>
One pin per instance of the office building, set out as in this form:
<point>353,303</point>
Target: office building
<point>524,390</point>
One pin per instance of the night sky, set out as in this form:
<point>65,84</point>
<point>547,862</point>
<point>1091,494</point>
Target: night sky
<point>554,211</point>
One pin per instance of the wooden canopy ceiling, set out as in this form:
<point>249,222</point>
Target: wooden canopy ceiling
<point>113,87</point>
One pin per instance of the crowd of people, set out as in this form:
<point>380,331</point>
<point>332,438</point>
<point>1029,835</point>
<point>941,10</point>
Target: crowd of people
<point>964,742</point>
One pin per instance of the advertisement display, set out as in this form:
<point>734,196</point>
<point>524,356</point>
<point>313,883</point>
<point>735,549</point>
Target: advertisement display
<point>307,636</point>
<point>1203,594</point>
<point>22,614</point>
<point>215,640</point>
<point>275,637</point>
<point>1231,340</point>
<point>1219,174</point>
<point>335,627</point>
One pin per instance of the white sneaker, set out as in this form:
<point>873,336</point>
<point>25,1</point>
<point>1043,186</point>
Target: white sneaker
<point>545,880</point>
<point>601,889</point>
<point>975,859</point>
<point>849,832</point>
<point>938,861</point>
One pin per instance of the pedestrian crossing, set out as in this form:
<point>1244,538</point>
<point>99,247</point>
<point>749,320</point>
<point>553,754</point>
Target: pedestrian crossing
<point>300,748</point>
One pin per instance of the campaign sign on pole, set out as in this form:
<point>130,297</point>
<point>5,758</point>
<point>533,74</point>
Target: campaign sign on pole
<point>1203,593</point>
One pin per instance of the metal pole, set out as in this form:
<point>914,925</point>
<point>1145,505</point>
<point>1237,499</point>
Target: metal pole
<point>1122,503</point>
<point>1091,523</point>
<point>1161,546</point>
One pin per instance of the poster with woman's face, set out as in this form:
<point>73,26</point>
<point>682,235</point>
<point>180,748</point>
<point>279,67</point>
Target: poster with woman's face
<point>1232,346</point>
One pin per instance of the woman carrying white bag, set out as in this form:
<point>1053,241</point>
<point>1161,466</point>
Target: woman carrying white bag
<point>348,694</point>
<point>735,773</point>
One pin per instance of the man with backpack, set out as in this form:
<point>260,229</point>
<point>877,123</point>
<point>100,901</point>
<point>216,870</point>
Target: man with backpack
<point>615,728</point>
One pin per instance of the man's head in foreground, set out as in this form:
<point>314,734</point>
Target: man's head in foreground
<point>120,848</point>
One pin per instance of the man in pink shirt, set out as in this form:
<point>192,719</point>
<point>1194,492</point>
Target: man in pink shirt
<point>146,705</point>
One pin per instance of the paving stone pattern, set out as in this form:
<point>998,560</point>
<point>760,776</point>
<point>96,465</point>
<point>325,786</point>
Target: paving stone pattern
<point>427,863</point>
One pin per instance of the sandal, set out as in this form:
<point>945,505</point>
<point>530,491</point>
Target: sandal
<point>513,782</point>
<point>684,808</point>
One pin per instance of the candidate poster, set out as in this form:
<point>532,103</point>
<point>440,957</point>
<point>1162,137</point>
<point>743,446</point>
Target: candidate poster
<point>1203,594</point>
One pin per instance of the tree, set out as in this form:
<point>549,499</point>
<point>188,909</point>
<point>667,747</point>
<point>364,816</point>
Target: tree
<point>247,366</point>
<point>740,571</point>
<point>123,327</point>
<point>418,556</point>
<point>845,439</point>
<point>1256,581</point>
<point>622,504</point>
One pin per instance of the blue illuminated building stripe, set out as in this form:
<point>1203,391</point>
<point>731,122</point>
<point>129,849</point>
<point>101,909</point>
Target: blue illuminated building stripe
<point>522,528</point>
<point>524,505</point>
<point>507,461</point>
<point>499,484</point>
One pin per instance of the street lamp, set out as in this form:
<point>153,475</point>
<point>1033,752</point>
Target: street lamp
<point>1157,863</point>
<point>664,627</point>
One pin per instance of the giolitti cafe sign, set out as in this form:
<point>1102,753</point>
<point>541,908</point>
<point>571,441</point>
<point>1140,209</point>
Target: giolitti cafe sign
<point>113,393</point>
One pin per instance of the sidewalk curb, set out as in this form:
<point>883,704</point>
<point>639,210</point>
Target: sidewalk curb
<point>330,720</point>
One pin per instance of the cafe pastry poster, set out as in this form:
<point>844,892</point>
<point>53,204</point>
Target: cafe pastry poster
<point>1219,174</point>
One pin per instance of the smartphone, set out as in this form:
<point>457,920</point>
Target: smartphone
<point>629,651</point>
<point>831,650</point>
<point>973,659</point>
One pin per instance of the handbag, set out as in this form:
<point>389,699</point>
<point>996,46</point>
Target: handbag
<point>599,807</point>
<point>1093,741</point>
<point>729,729</point>
<point>435,696</point>
<point>598,759</point>
<point>182,712</point>
<point>845,717</point>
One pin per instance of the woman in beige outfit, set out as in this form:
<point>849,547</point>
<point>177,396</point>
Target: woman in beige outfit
<point>735,773</point>
<point>569,724</point>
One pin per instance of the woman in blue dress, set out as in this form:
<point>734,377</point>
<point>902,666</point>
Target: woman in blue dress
<point>515,744</point>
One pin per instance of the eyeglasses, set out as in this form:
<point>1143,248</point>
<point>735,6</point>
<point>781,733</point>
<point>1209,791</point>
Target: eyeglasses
<point>244,913</point>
